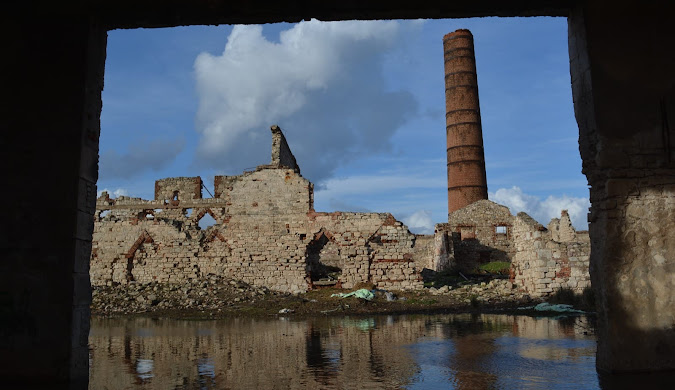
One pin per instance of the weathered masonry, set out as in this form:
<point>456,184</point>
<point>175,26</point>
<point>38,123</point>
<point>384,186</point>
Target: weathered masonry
<point>467,182</point>
<point>479,230</point>
<point>542,259</point>
<point>266,234</point>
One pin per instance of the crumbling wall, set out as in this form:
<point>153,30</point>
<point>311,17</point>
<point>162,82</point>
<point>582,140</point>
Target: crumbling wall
<point>483,233</point>
<point>561,228</point>
<point>178,188</point>
<point>266,191</point>
<point>281,152</point>
<point>423,251</point>
<point>266,234</point>
<point>443,257</point>
<point>374,248</point>
<point>543,264</point>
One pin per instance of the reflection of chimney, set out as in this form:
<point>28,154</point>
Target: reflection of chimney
<point>467,181</point>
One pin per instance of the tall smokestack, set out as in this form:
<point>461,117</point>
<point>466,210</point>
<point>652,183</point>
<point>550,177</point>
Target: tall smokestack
<point>467,182</point>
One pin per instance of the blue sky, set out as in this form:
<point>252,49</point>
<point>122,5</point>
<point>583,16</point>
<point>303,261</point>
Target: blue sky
<point>362,105</point>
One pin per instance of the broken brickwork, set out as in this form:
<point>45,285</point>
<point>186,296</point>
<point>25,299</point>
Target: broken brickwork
<point>266,234</point>
<point>481,232</point>
<point>542,260</point>
<point>467,182</point>
<point>549,259</point>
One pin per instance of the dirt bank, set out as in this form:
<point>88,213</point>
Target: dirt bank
<point>216,297</point>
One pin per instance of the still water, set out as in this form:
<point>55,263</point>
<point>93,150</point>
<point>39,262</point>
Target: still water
<point>383,352</point>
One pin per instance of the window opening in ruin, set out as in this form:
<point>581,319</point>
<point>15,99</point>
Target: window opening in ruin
<point>467,233</point>
<point>206,221</point>
<point>104,213</point>
<point>500,229</point>
<point>207,191</point>
<point>187,212</point>
<point>146,215</point>
<point>323,260</point>
<point>175,195</point>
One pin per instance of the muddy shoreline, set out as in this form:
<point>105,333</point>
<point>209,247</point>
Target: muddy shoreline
<point>218,298</point>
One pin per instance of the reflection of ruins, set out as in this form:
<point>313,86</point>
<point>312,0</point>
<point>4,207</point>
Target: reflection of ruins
<point>325,353</point>
<point>318,353</point>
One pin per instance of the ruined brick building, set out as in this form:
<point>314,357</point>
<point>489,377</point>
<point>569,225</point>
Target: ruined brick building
<point>479,230</point>
<point>266,233</point>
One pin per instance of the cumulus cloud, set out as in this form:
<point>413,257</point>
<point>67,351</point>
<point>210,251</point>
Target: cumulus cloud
<point>543,210</point>
<point>322,83</point>
<point>420,222</point>
<point>142,156</point>
<point>114,193</point>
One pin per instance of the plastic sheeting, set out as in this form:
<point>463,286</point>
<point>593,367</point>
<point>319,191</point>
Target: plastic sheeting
<point>362,293</point>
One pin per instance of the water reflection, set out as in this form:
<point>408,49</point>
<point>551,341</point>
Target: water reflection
<point>416,352</point>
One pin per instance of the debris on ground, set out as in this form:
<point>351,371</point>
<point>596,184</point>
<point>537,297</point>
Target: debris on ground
<point>361,293</point>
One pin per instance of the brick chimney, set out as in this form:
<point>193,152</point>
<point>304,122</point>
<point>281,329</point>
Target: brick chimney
<point>467,181</point>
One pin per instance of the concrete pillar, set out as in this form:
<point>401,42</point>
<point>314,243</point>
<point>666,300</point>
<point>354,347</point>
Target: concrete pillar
<point>467,182</point>
<point>623,82</point>
<point>52,79</point>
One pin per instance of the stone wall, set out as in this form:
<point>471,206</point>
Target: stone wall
<point>266,234</point>
<point>543,262</point>
<point>178,188</point>
<point>423,251</point>
<point>443,257</point>
<point>482,233</point>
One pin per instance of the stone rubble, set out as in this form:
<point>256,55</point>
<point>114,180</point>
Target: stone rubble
<point>211,293</point>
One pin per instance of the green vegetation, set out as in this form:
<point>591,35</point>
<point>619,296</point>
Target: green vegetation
<point>496,267</point>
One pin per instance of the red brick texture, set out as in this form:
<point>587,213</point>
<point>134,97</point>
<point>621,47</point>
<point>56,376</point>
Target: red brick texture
<point>467,181</point>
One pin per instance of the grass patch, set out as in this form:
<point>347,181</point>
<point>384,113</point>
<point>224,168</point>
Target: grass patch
<point>496,267</point>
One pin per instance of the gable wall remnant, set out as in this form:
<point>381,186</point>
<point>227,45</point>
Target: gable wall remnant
<point>481,233</point>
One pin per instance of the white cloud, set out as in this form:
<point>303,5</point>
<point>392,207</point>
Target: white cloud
<point>322,83</point>
<point>420,222</point>
<point>543,211</point>
<point>114,193</point>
